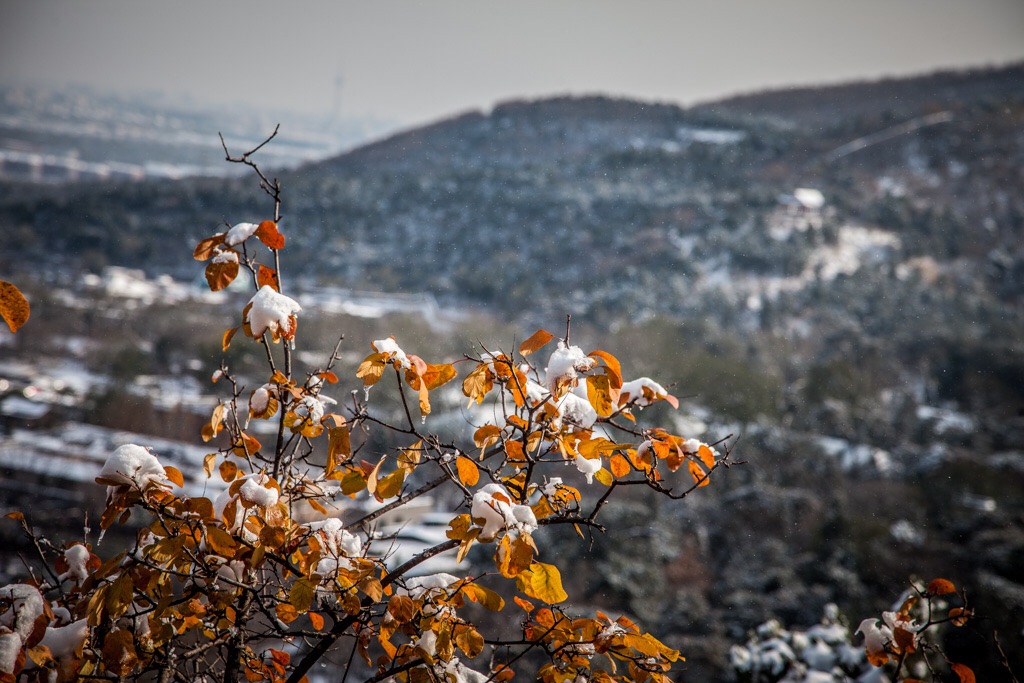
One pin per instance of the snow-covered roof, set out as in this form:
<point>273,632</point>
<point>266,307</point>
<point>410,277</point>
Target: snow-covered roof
<point>22,408</point>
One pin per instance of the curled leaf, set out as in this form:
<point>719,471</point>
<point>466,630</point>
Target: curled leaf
<point>14,306</point>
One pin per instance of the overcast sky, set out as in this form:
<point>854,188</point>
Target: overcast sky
<point>412,62</point>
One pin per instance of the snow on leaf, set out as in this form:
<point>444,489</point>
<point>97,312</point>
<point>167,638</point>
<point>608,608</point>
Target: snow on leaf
<point>239,233</point>
<point>272,312</point>
<point>14,307</point>
<point>207,247</point>
<point>391,352</point>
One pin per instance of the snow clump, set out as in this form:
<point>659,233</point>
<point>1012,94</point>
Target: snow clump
<point>131,465</point>
<point>77,557</point>
<point>271,311</point>
<point>493,504</point>
<point>564,366</point>
<point>23,606</point>
<point>240,233</point>
<point>634,391</point>
<point>390,348</point>
<point>588,468</point>
<point>258,491</point>
<point>338,543</point>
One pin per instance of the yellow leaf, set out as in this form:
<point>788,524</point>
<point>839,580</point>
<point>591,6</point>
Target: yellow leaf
<point>433,375</point>
<point>543,582</point>
<point>612,367</point>
<point>208,462</point>
<point>372,477</point>
<point>469,473</point>
<point>402,608</point>
<point>599,394</point>
<point>469,640</point>
<point>371,369</point>
<point>478,383</point>
<point>226,339</point>
<point>301,594</point>
<point>536,340</point>
<point>14,307</point>
<point>700,477</point>
<point>604,476</point>
<point>339,447</point>
<point>391,485</point>
<point>484,596</point>
<point>287,613</point>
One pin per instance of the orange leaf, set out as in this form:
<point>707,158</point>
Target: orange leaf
<point>614,369</point>
<point>14,306</point>
<point>469,473</point>
<point>964,672</point>
<point>699,476</point>
<point>119,656</point>
<point>208,247</point>
<point>525,604</point>
<point>269,235</point>
<point>316,620</point>
<point>174,474</point>
<point>958,616</point>
<point>267,277</point>
<point>221,274</point>
<point>226,340</point>
<point>486,435</point>
<point>619,465</point>
<point>535,342</point>
<point>288,614</point>
<point>941,587</point>
<point>228,471</point>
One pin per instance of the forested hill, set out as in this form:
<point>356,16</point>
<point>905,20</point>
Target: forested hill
<point>836,275</point>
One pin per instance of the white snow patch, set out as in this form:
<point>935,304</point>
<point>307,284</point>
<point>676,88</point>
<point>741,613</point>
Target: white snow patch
<point>270,311</point>
<point>240,233</point>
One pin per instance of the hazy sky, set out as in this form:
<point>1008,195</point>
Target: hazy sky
<point>411,62</point>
